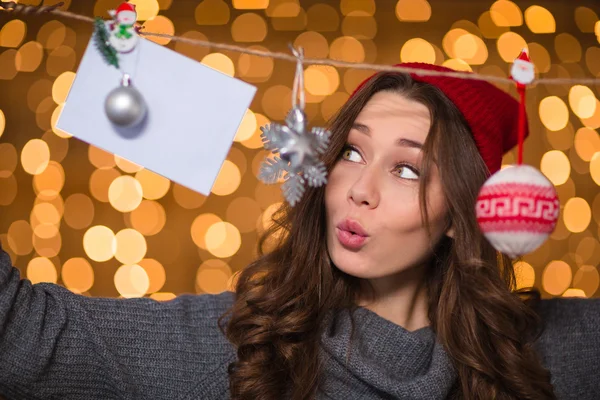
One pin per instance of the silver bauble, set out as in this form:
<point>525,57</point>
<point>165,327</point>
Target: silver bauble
<point>125,106</point>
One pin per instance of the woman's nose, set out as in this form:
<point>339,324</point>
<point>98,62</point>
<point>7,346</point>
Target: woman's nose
<point>365,189</point>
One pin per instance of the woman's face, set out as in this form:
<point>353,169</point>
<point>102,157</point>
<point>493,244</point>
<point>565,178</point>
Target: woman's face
<point>374,186</point>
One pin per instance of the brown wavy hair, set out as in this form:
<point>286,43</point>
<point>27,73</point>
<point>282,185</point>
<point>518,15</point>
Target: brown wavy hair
<point>485,324</point>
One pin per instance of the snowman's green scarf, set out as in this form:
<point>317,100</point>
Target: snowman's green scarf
<point>123,32</point>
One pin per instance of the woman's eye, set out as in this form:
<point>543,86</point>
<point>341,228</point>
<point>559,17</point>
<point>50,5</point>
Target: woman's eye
<point>348,152</point>
<point>407,172</point>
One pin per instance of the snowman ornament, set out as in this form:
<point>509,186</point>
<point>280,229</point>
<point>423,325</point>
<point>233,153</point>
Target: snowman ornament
<point>123,34</point>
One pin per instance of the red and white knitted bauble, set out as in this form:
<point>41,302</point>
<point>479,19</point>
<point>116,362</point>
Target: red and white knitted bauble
<point>517,208</point>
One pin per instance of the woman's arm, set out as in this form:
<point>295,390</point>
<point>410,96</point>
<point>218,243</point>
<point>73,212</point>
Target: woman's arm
<point>57,344</point>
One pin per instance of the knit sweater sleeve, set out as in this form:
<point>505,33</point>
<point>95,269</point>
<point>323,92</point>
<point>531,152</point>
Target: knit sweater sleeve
<point>55,344</point>
<point>570,346</point>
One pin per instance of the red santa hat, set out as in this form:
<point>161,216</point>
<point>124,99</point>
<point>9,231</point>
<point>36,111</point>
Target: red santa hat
<point>491,114</point>
<point>125,7</point>
<point>524,56</point>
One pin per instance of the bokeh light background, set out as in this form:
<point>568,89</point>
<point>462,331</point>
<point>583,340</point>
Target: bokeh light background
<point>102,226</point>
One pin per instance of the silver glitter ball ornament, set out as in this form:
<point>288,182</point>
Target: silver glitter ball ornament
<point>124,105</point>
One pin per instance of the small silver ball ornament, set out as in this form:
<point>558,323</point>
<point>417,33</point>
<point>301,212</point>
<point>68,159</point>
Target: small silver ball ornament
<point>124,105</point>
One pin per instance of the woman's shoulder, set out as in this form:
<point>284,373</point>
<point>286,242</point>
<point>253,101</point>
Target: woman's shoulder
<point>571,314</point>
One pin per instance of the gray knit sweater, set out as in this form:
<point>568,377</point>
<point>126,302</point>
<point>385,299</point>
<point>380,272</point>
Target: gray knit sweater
<point>58,345</point>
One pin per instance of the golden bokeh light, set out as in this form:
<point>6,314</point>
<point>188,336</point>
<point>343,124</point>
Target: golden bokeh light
<point>131,246</point>
<point>145,9</point>
<point>587,143</point>
<point>254,68</point>
<point>131,281</point>
<point>100,158</point>
<point>554,113</point>
<point>2,122</point>
<point>255,141</point>
<point>321,80</point>
<point>457,64</point>
<point>582,101</point>
<point>127,166</point>
<point>228,180</point>
<point>35,156</point>
<point>506,13</point>
<point>359,25</point>
<point>555,166</point>
<point>8,159</point>
<point>77,275</point>
<point>525,274</point>
<point>212,12</point>
<point>556,277</point>
<point>573,292</point>
<point>585,18</point>
<point>29,56</point>
<point>159,24</point>
<point>488,28</point>
<point>41,269</point>
<point>587,279</point>
<point>471,49</point>
<point>220,62</point>
<point>539,57</point>
<point>54,119</point>
<point>20,237</point>
<point>322,18</point>
<point>59,147</point>
<point>222,239</point>
<point>249,27</point>
<point>332,104</point>
<point>99,243</point>
<point>347,48</point>
<point>413,10</point>
<point>12,33</point>
<point>79,211</point>
<point>276,101</point>
<point>247,127</point>
<point>200,226</point>
<point>52,34</point>
<point>213,276</point>
<point>595,168</point>
<point>361,7</point>
<point>567,48</point>
<point>191,50</point>
<point>49,182</point>
<point>149,218</point>
<point>186,197</point>
<point>314,44</point>
<point>250,4</point>
<point>100,181</point>
<point>510,45</point>
<point>8,70</point>
<point>540,20</point>
<point>243,212</point>
<point>154,186</point>
<point>417,50</point>
<point>62,85</point>
<point>577,214</point>
<point>60,59</point>
<point>125,193</point>
<point>162,296</point>
<point>156,274</point>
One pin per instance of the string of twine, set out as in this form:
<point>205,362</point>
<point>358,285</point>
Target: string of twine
<point>27,9</point>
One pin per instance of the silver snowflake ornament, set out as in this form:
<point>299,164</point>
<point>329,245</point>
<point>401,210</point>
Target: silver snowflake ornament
<point>299,151</point>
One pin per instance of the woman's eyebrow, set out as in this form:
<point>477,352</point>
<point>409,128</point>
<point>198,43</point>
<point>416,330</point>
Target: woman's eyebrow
<point>362,128</point>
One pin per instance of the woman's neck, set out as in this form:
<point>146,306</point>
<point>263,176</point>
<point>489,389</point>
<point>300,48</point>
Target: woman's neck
<point>401,299</point>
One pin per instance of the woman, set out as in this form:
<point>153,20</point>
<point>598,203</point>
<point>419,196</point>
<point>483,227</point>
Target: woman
<point>378,286</point>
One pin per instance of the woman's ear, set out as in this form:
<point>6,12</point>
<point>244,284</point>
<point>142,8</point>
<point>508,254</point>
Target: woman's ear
<point>450,231</point>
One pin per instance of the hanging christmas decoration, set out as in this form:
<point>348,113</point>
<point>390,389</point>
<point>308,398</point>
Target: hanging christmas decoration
<point>124,106</point>
<point>517,207</point>
<point>299,149</point>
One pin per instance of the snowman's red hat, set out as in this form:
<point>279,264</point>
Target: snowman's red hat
<point>126,7</point>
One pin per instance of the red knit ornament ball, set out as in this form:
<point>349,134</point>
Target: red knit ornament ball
<point>517,209</point>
